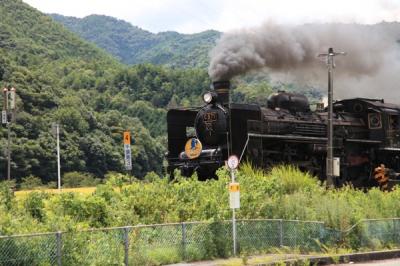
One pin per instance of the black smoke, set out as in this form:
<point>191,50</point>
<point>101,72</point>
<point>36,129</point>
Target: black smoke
<point>372,63</point>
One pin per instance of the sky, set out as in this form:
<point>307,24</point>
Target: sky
<point>190,16</point>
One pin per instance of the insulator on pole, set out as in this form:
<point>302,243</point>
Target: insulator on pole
<point>5,95</point>
<point>11,98</point>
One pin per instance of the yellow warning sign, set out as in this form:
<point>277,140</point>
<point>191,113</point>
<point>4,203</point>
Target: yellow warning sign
<point>193,148</point>
<point>234,187</point>
<point>127,137</point>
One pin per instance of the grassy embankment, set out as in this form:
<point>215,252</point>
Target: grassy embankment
<point>283,193</point>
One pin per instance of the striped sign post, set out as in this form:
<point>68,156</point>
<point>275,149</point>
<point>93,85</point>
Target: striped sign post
<point>127,150</point>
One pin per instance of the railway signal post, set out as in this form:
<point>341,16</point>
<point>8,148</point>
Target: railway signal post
<point>329,157</point>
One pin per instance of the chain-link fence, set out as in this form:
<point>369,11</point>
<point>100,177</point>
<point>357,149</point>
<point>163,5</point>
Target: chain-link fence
<point>37,249</point>
<point>169,243</point>
<point>375,234</point>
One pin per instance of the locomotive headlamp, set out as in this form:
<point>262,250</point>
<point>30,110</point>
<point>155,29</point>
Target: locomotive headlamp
<point>209,97</point>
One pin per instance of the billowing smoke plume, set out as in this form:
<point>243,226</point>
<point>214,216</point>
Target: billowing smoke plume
<point>372,59</point>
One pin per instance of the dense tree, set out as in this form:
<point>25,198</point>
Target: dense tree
<point>60,78</point>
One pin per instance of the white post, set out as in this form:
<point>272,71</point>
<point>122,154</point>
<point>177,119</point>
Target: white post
<point>58,157</point>
<point>233,218</point>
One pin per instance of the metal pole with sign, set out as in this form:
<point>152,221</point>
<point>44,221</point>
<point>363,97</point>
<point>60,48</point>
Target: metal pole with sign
<point>127,150</point>
<point>8,109</point>
<point>4,120</point>
<point>234,196</point>
<point>4,111</point>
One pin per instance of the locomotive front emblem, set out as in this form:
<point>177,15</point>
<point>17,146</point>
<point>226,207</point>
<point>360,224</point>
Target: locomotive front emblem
<point>193,148</point>
<point>208,119</point>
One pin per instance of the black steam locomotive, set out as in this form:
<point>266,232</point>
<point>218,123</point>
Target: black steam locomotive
<point>366,136</point>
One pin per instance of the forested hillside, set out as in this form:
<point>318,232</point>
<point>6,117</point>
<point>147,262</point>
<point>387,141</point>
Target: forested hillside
<point>133,45</point>
<point>60,78</point>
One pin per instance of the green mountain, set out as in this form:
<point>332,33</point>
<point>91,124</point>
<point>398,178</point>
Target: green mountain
<point>62,78</point>
<point>133,45</point>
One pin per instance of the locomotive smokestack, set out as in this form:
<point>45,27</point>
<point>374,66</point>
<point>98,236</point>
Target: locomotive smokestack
<point>222,89</point>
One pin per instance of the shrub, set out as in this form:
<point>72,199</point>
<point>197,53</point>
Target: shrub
<point>151,176</point>
<point>79,179</point>
<point>30,182</point>
<point>7,198</point>
<point>52,184</point>
<point>118,179</point>
<point>34,204</point>
<point>165,255</point>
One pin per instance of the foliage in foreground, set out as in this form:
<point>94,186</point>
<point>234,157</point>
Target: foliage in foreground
<point>283,193</point>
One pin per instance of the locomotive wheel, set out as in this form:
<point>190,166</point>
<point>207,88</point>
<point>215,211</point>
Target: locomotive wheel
<point>188,172</point>
<point>206,173</point>
<point>171,175</point>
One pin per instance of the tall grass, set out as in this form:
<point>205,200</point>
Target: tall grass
<point>283,192</point>
<point>293,180</point>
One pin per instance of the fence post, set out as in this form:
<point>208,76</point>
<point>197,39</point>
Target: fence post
<point>322,232</point>
<point>280,232</point>
<point>295,232</point>
<point>183,241</point>
<point>126,245</point>
<point>59,247</point>
<point>363,234</point>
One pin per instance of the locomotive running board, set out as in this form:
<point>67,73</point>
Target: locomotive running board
<point>291,137</point>
<point>364,141</point>
<point>286,137</point>
<point>390,149</point>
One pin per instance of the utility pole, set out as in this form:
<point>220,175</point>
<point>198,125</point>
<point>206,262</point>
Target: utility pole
<point>7,116</point>
<point>56,132</point>
<point>8,152</point>
<point>329,159</point>
<point>58,157</point>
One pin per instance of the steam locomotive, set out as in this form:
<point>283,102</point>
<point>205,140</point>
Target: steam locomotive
<point>366,136</point>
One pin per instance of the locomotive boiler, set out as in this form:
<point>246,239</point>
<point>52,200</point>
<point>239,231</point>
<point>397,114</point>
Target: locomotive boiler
<point>366,136</point>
